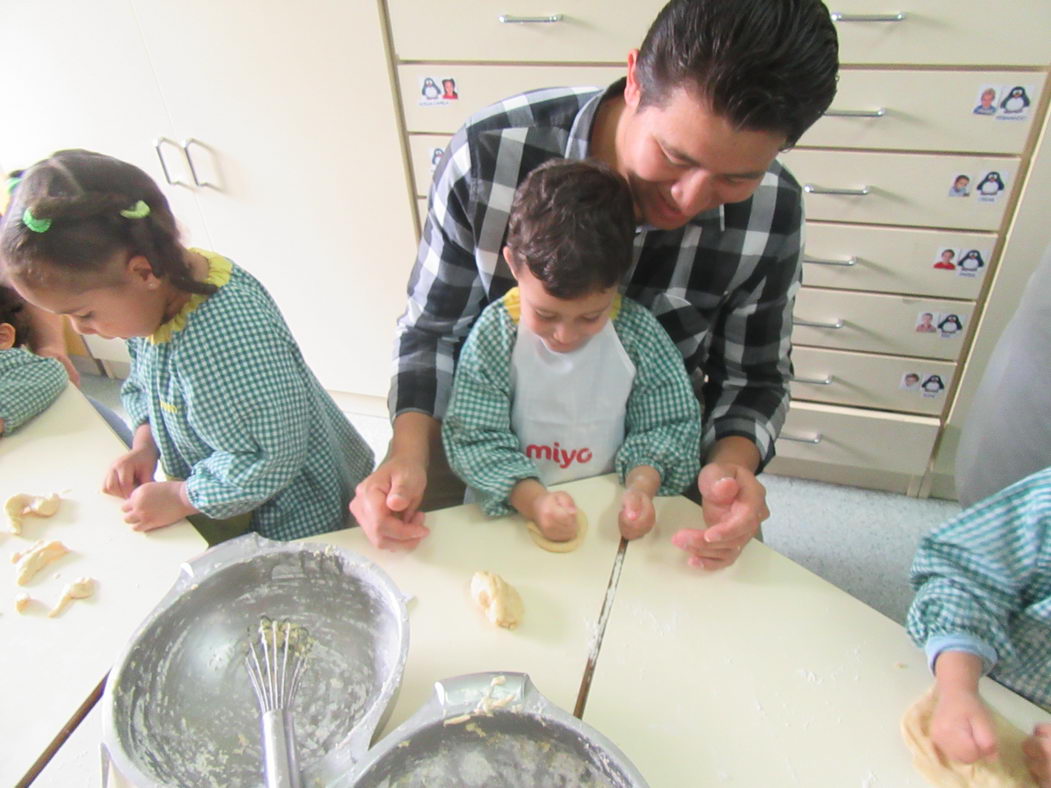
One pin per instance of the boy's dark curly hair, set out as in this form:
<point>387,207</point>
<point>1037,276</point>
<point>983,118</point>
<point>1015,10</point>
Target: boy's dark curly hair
<point>12,310</point>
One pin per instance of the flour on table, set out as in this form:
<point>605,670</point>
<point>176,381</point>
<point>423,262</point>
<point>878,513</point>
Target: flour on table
<point>31,561</point>
<point>567,546</point>
<point>81,588</point>
<point>18,506</point>
<point>498,599</point>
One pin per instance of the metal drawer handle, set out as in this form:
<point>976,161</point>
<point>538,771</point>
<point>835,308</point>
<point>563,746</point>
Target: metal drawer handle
<point>507,19</point>
<point>856,113</point>
<point>841,17</point>
<point>825,381</point>
<point>810,323</point>
<point>814,441</point>
<point>189,160</point>
<point>157,144</point>
<point>848,263</point>
<point>812,189</point>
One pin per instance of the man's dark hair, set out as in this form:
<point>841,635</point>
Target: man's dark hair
<point>763,65</point>
<point>573,224</point>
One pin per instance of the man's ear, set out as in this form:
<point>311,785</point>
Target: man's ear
<point>632,90</point>
<point>7,336</point>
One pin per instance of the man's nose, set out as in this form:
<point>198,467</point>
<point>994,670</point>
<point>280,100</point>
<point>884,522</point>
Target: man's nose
<point>693,191</point>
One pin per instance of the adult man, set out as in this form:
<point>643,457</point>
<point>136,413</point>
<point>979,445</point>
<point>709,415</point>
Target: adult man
<point>717,89</point>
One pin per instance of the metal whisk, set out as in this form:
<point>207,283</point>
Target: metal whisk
<point>275,663</point>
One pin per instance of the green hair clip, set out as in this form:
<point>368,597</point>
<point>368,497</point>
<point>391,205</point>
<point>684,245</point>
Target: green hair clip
<point>138,211</point>
<point>34,224</point>
<point>11,183</point>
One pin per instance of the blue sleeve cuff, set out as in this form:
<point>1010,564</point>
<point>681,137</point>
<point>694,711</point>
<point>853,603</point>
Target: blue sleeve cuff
<point>960,642</point>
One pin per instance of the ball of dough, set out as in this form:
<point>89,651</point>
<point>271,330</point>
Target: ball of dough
<point>567,546</point>
<point>497,598</point>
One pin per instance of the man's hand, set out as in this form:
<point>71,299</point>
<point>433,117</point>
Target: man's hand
<point>157,504</point>
<point>1037,749</point>
<point>734,504</point>
<point>386,504</point>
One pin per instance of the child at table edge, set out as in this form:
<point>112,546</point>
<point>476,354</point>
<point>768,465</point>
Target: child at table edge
<point>983,605</point>
<point>569,245</point>
<point>218,391</point>
<point>28,383</point>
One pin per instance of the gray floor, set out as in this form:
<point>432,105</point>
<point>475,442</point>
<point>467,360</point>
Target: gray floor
<point>859,540</point>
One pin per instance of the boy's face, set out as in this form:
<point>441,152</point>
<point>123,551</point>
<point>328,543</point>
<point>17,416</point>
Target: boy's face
<point>681,159</point>
<point>564,324</point>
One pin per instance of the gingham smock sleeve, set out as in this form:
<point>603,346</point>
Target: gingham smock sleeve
<point>28,385</point>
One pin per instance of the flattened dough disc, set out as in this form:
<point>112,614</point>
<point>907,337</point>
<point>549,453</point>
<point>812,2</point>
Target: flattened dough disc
<point>561,547</point>
<point>1009,771</point>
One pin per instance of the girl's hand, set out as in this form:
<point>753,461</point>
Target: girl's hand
<point>961,727</point>
<point>135,468</point>
<point>555,515</point>
<point>1037,749</point>
<point>157,504</point>
<point>637,516</point>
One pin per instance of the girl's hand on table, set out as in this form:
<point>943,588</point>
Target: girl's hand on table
<point>1037,749</point>
<point>961,727</point>
<point>133,469</point>
<point>555,514</point>
<point>637,516</point>
<point>157,504</point>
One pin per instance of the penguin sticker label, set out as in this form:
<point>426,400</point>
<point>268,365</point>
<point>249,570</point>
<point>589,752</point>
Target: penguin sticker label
<point>932,386</point>
<point>927,322</point>
<point>950,326</point>
<point>961,186</point>
<point>991,187</point>
<point>970,262</point>
<point>437,91</point>
<point>1014,102</point>
<point>987,100</point>
<point>945,259</point>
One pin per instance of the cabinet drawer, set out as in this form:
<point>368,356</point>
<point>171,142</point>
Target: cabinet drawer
<point>893,260</point>
<point>834,435</point>
<point>910,189</point>
<point>870,380</point>
<point>945,32</point>
<point>478,86</point>
<point>925,110</point>
<point>878,323</point>
<point>423,150</point>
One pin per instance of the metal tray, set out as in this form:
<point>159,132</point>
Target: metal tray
<point>492,730</point>
<point>178,707</point>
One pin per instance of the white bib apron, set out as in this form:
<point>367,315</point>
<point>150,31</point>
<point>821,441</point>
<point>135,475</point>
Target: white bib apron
<point>568,409</point>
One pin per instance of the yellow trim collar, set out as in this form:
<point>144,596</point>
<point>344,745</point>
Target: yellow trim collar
<point>219,270</point>
<point>513,304</point>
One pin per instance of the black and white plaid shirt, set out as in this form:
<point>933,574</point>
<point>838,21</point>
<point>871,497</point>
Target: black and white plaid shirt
<point>723,286</point>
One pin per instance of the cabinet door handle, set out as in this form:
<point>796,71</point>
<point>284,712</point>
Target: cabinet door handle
<point>508,19</point>
<point>838,16</point>
<point>813,441</point>
<point>825,381</point>
<point>186,144</point>
<point>879,112</point>
<point>812,189</point>
<point>812,324</point>
<point>850,262</point>
<point>157,145</point>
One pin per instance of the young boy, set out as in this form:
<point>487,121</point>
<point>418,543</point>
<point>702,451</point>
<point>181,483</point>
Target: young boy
<point>983,605</point>
<point>28,383</point>
<point>563,378</point>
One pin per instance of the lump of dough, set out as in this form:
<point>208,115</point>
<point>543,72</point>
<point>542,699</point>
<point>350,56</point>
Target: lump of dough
<point>81,588</point>
<point>22,601</point>
<point>31,561</point>
<point>499,601</point>
<point>1008,771</point>
<point>18,506</point>
<point>567,546</point>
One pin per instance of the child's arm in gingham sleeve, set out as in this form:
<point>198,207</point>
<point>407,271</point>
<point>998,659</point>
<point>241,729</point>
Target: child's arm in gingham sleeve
<point>28,385</point>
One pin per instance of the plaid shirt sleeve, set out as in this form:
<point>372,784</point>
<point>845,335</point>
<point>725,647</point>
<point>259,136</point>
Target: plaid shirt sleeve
<point>663,421</point>
<point>28,385</point>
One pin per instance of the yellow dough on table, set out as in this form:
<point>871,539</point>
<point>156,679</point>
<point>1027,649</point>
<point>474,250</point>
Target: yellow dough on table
<point>1008,771</point>
<point>560,547</point>
<point>18,506</point>
<point>498,600</point>
<point>81,588</point>
<point>31,561</point>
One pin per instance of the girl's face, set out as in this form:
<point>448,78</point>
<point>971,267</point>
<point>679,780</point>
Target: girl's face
<point>132,302</point>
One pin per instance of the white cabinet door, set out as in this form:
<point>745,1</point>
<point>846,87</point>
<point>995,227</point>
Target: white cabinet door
<point>295,122</point>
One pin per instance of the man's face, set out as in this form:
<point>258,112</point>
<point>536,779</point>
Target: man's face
<point>681,159</point>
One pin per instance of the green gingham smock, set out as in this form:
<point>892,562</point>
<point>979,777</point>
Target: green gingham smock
<point>236,412</point>
<point>663,422</point>
<point>28,384</point>
<point>983,585</point>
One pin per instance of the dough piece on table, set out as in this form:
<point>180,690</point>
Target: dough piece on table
<point>498,600</point>
<point>81,588</point>
<point>567,546</point>
<point>22,601</point>
<point>18,506</point>
<point>1008,771</point>
<point>36,558</point>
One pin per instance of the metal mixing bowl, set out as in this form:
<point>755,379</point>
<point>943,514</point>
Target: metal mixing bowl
<point>179,708</point>
<point>494,730</point>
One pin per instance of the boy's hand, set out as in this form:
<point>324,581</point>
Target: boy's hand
<point>555,515</point>
<point>961,727</point>
<point>1037,749</point>
<point>157,504</point>
<point>133,469</point>
<point>637,516</point>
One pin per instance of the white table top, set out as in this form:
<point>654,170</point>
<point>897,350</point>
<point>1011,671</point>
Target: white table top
<point>51,665</point>
<point>762,674</point>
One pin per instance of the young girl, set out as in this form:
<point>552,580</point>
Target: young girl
<point>218,389</point>
<point>28,383</point>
